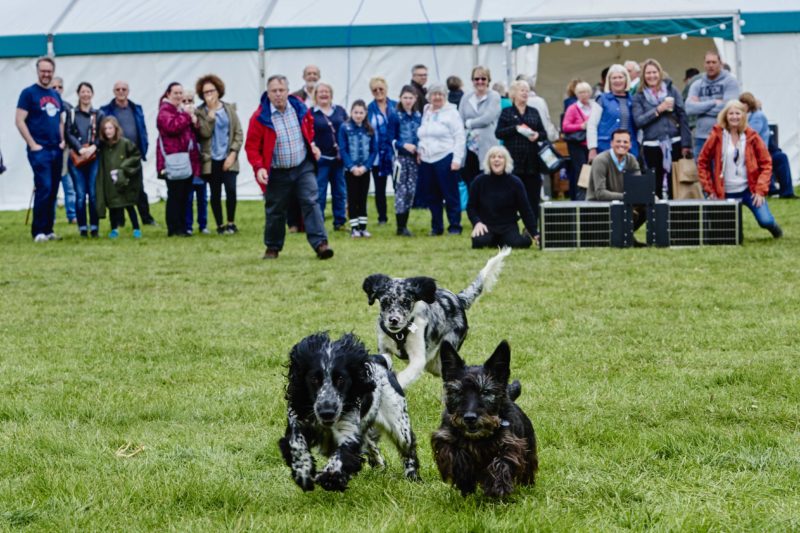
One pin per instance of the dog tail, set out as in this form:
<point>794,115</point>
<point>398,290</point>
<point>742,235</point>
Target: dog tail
<point>485,280</point>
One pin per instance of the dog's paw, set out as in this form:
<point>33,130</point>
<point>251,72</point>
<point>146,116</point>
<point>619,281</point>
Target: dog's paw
<point>498,490</point>
<point>332,480</point>
<point>304,482</point>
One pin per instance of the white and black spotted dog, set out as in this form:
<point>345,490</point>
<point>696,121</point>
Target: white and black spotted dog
<point>338,398</point>
<point>416,316</point>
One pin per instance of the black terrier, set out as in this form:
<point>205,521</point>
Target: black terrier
<point>338,396</point>
<point>484,436</point>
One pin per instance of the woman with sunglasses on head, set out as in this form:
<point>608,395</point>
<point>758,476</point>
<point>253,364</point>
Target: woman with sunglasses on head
<point>221,137</point>
<point>479,110</point>
<point>382,116</point>
<point>176,136</point>
<point>735,163</point>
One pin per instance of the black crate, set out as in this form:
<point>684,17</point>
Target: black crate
<point>567,225</point>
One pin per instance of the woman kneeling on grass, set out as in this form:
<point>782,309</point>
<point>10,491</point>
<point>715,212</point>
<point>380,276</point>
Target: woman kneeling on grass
<point>119,177</point>
<point>735,163</point>
<point>496,200</point>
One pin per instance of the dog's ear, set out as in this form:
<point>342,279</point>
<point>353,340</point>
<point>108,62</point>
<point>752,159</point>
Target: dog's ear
<point>373,285</point>
<point>499,364</point>
<point>452,364</point>
<point>424,288</point>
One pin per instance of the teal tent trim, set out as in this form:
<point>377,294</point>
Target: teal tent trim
<point>139,42</point>
<point>443,33</point>
<point>23,45</point>
<point>490,31</point>
<point>578,30</point>
<point>783,22</point>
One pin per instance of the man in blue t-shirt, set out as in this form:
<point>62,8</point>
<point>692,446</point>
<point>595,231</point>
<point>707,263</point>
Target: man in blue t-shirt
<point>39,121</point>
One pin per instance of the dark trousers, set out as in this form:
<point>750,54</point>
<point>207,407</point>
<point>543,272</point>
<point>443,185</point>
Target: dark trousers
<point>533,189</point>
<point>116,215</point>
<point>472,167</point>
<point>578,156</point>
<point>197,191</point>
<point>284,183</point>
<point>654,159</point>
<point>441,184</point>
<point>46,164</point>
<point>178,192</point>
<point>380,194</point>
<point>782,174</point>
<point>216,180</point>
<point>502,236</point>
<point>357,192</point>
<point>143,205</point>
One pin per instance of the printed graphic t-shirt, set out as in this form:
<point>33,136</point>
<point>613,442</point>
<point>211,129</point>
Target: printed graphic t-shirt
<point>44,114</point>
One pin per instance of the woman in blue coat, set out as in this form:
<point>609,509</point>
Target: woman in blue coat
<point>615,112</point>
<point>382,116</point>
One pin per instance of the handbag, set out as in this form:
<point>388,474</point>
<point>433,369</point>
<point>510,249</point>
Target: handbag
<point>177,166</point>
<point>79,160</point>
<point>685,180</point>
<point>585,176</point>
<point>575,136</point>
<point>549,157</point>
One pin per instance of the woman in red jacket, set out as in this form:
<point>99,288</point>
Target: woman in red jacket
<point>735,163</point>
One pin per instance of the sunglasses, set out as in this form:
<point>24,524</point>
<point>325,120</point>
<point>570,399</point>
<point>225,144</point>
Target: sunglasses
<point>480,79</point>
<point>120,89</point>
<point>58,86</point>
<point>379,90</point>
<point>735,156</point>
<point>186,101</point>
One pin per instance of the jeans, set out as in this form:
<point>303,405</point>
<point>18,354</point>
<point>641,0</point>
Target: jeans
<point>84,180</point>
<point>46,164</point>
<point>698,147</point>
<point>69,196</point>
<point>763,215</point>
<point>298,182</point>
<point>216,180</point>
<point>782,174</point>
<point>198,190</point>
<point>332,171</point>
<point>178,194</point>
<point>441,183</point>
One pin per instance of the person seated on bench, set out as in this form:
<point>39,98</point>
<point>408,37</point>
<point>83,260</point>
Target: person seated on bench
<point>497,199</point>
<point>606,183</point>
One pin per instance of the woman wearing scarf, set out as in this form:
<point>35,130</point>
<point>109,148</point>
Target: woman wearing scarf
<point>382,116</point>
<point>735,163</point>
<point>658,112</point>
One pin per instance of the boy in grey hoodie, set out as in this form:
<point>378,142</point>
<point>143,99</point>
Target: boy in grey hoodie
<point>707,97</point>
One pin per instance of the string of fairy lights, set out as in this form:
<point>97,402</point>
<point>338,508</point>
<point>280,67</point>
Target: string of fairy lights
<point>626,42</point>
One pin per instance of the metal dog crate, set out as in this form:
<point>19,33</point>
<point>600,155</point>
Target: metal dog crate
<point>567,225</point>
<point>705,222</point>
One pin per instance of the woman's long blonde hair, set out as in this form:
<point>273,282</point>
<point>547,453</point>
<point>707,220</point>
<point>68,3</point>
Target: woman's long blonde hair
<point>722,117</point>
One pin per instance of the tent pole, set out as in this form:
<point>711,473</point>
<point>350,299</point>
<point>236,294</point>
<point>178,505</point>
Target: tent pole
<point>476,38</point>
<point>737,44</point>
<point>507,44</point>
<point>262,67</point>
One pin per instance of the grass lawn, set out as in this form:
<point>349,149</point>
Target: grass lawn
<point>662,383</point>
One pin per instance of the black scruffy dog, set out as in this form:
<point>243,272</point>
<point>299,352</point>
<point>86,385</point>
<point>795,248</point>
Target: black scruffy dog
<point>484,437</point>
<point>338,397</point>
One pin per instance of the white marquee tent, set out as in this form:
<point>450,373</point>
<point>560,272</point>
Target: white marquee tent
<point>151,43</point>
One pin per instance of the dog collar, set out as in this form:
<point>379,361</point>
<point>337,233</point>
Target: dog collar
<point>400,337</point>
<point>504,423</point>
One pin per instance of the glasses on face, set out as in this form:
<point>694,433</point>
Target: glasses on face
<point>210,91</point>
<point>58,86</point>
<point>379,90</point>
<point>186,101</point>
<point>121,90</point>
<point>480,79</point>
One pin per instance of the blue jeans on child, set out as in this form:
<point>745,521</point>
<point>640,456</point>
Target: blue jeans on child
<point>199,191</point>
<point>83,178</point>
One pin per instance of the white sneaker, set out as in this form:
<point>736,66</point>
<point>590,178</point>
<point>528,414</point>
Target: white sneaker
<point>53,237</point>
<point>355,234</point>
<point>366,234</point>
<point>41,237</point>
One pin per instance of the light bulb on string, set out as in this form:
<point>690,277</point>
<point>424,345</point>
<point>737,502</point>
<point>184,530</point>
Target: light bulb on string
<point>723,27</point>
<point>741,22</point>
<point>548,39</point>
<point>703,31</point>
<point>684,36</point>
<point>567,42</point>
<point>528,35</point>
<point>646,42</point>
<point>586,44</point>
<point>607,44</point>
<point>664,39</point>
<point>626,43</point>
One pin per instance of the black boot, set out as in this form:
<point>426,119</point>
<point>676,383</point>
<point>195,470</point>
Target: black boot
<point>402,220</point>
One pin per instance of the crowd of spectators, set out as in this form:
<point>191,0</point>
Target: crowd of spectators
<point>436,141</point>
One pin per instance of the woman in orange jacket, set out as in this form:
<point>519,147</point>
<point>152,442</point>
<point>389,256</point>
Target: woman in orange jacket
<point>735,163</point>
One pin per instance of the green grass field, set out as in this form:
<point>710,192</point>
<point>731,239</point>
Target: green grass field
<point>662,383</point>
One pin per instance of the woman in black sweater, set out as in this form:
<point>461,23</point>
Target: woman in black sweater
<point>497,199</point>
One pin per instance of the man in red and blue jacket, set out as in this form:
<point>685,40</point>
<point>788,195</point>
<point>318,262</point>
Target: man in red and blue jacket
<point>280,148</point>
